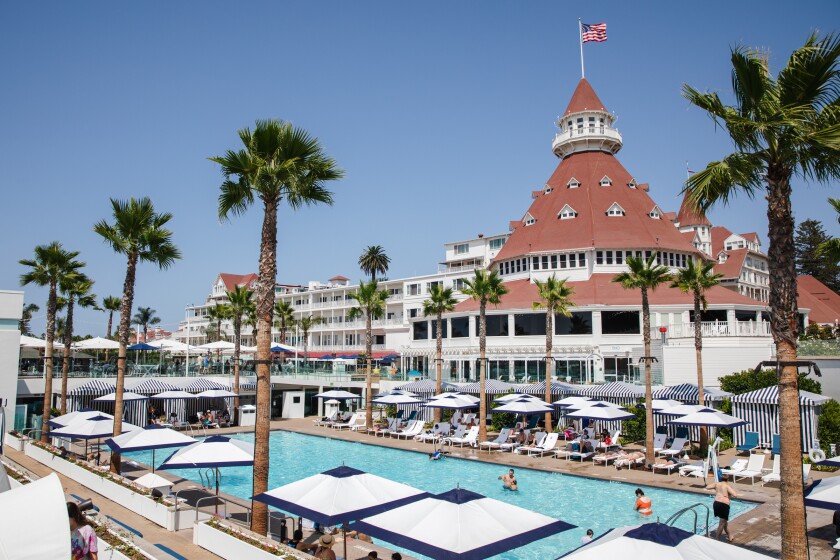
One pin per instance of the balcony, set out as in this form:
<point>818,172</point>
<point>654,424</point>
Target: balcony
<point>587,138</point>
<point>715,329</point>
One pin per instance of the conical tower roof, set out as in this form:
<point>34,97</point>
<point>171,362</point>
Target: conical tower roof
<point>584,99</point>
<point>687,216</point>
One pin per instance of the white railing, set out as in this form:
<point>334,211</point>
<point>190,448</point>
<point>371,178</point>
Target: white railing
<point>360,324</point>
<point>716,329</point>
<point>588,131</point>
<point>360,348</point>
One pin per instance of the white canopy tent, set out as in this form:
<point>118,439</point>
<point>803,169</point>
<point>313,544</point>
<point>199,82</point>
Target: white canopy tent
<point>19,540</point>
<point>97,343</point>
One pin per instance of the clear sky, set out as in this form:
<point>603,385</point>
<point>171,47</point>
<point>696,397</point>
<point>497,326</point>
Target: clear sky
<point>441,113</point>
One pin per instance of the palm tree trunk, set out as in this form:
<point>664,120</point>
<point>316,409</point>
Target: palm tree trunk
<point>648,380</point>
<point>482,372</point>
<point>439,363</point>
<point>125,329</point>
<point>369,385</point>
<point>68,341</point>
<point>108,334</point>
<point>237,332</point>
<point>48,362</point>
<point>783,309</point>
<point>265,311</point>
<point>698,350</point>
<point>549,366</point>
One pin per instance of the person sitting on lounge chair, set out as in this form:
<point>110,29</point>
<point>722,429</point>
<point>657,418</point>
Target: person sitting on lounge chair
<point>576,446</point>
<point>628,458</point>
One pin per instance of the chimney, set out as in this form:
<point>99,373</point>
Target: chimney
<point>480,235</point>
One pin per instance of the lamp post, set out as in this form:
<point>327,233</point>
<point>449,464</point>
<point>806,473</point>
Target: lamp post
<point>187,359</point>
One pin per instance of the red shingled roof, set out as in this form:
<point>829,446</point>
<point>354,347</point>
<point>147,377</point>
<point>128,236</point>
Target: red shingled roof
<point>339,279</point>
<point>600,289</point>
<point>719,235</point>
<point>233,280</point>
<point>687,216</point>
<point>584,99</point>
<point>592,227</point>
<point>733,265</point>
<point>819,298</point>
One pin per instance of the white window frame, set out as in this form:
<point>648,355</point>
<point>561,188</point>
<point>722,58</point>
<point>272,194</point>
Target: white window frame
<point>632,184</point>
<point>605,181</point>
<point>528,220</point>
<point>567,213</point>
<point>464,246</point>
<point>573,183</point>
<point>655,213</point>
<point>615,210</point>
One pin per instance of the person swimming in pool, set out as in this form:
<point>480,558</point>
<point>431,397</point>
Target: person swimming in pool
<point>509,480</point>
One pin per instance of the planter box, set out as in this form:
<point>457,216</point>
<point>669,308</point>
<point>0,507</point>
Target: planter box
<point>14,442</point>
<point>141,504</point>
<point>108,553</point>
<point>230,548</point>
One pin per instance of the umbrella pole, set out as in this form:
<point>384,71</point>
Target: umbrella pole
<point>344,534</point>
<point>216,501</point>
<point>153,460</point>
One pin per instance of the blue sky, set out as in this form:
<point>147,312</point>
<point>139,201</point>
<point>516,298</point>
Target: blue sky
<point>441,113</point>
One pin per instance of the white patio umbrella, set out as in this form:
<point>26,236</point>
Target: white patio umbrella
<point>455,402</point>
<point>97,427</point>
<point>152,480</point>
<point>465,396</point>
<point>97,343</point>
<point>596,404</point>
<point>524,407</point>
<point>715,419</point>
<point>609,413</point>
<point>127,396</point>
<point>174,395</point>
<point>660,541</point>
<point>460,525</point>
<point>149,438</point>
<point>18,539</point>
<point>218,345</point>
<point>216,394</point>
<point>569,401</point>
<point>512,397</point>
<point>396,397</point>
<point>32,342</point>
<point>683,409</point>
<point>661,404</point>
<point>337,394</point>
<point>76,416</point>
<point>824,493</point>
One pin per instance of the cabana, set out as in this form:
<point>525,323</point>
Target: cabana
<point>618,392</point>
<point>153,386</point>
<point>557,388</point>
<point>761,409</point>
<point>688,393</point>
<point>491,387</point>
<point>83,396</point>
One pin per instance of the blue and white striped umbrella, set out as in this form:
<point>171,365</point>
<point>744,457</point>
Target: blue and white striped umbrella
<point>715,419</point>
<point>824,493</point>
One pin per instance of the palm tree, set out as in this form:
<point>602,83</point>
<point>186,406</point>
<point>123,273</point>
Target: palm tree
<point>555,299</point>
<point>695,279</point>
<point>645,275</point>
<point>51,265</point>
<point>370,303</point>
<point>780,126</point>
<point>240,306</point>
<point>831,248</point>
<point>485,287</point>
<point>284,318</point>
<point>440,301</point>
<point>76,291</point>
<point>25,317</point>
<point>373,259</point>
<point>306,323</point>
<point>218,313</point>
<point>277,162</point>
<point>139,233</point>
<point>144,317</point>
<point>111,304</point>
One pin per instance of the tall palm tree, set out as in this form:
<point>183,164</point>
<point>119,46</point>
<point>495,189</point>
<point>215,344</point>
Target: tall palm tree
<point>240,306</point>
<point>555,298</point>
<point>218,313</point>
<point>76,291</point>
<point>831,248</point>
<point>284,318</point>
<point>645,275</point>
<point>52,264</point>
<point>373,259</point>
<point>276,162</point>
<point>306,323</point>
<point>139,233</point>
<point>370,303</point>
<point>25,317</point>
<point>781,127</point>
<point>695,279</point>
<point>440,301</point>
<point>111,304</point>
<point>485,287</point>
<point>144,317</point>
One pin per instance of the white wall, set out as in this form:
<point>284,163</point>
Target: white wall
<point>718,360</point>
<point>292,409</point>
<point>11,306</point>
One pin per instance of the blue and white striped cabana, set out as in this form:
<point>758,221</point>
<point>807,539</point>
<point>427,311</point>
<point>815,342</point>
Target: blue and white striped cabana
<point>617,392</point>
<point>200,384</point>
<point>154,386</point>
<point>248,386</point>
<point>761,409</point>
<point>557,388</point>
<point>491,387</point>
<point>426,387</point>
<point>82,396</point>
<point>688,393</point>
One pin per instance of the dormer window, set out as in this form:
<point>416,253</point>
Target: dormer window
<point>567,213</point>
<point>615,210</point>
<point>573,183</point>
<point>632,183</point>
<point>547,189</point>
<point>605,181</point>
<point>656,213</point>
<point>528,219</point>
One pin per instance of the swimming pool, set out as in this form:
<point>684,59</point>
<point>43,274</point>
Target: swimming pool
<point>587,503</point>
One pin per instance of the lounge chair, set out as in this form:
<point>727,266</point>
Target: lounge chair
<point>668,466</point>
<point>776,446</point>
<point>469,439</point>
<point>628,462</point>
<point>676,448</point>
<point>659,442</point>
<point>393,424</point>
<point>548,445</point>
<point>750,442</point>
<point>504,435</point>
<point>538,439</point>
<point>349,424</point>
<point>580,455</point>
<point>737,466</point>
<point>326,420</point>
<point>439,430</point>
<point>753,469</point>
<point>607,457</point>
<point>774,475</point>
<point>411,430</point>
<point>512,445</point>
<point>700,469</point>
<point>361,424</point>
<point>613,441</point>
<point>342,419</point>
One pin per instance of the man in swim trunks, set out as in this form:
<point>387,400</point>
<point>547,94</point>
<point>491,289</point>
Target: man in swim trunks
<point>721,506</point>
<point>509,480</point>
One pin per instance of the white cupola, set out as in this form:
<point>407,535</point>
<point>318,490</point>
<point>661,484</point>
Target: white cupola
<point>586,125</point>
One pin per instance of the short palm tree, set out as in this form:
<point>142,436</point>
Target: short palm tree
<point>276,162</point>
<point>240,306</point>
<point>373,260</point>
<point>695,279</point>
<point>370,304</point>
<point>217,314</point>
<point>26,316</point>
<point>781,127</point>
<point>111,304</point>
<point>144,317</point>
<point>51,265</point>
<point>76,292</point>
<point>485,287</point>
<point>306,323</point>
<point>646,276</point>
<point>284,318</point>
<point>831,248</point>
<point>139,233</point>
<point>440,301</point>
<point>555,298</point>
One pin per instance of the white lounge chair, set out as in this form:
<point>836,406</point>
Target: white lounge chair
<point>361,424</point>
<point>628,462</point>
<point>512,445</point>
<point>538,439</point>
<point>753,469</point>
<point>393,423</point>
<point>504,435</point>
<point>342,419</point>
<point>469,439</point>
<point>676,448</point>
<point>349,424</point>
<point>605,458</point>
<point>548,445</point>
<point>700,469</point>
<point>439,430</point>
<point>659,442</point>
<point>326,420</point>
<point>411,430</point>
<point>737,466</point>
<point>776,474</point>
<point>668,467</point>
<point>613,441</point>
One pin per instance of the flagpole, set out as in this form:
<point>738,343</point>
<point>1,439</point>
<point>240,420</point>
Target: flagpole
<point>580,38</point>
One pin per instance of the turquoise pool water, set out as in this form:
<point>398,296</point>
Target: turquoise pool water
<point>587,503</point>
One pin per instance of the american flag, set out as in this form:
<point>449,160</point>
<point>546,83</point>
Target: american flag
<point>593,32</point>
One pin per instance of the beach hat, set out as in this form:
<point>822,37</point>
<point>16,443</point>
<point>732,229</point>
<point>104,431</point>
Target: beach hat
<point>326,541</point>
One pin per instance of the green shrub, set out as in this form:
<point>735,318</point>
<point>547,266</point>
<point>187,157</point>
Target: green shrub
<point>501,419</point>
<point>828,430</point>
<point>633,429</point>
<point>747,380</point>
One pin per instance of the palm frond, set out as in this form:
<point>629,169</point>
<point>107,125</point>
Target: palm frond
<point>720,181</point>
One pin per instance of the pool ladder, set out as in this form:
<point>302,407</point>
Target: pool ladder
<point>691,509</point>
